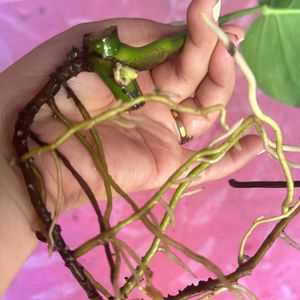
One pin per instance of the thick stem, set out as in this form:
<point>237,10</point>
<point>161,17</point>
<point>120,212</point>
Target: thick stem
<point>108,46</point>
<point>21,134</point>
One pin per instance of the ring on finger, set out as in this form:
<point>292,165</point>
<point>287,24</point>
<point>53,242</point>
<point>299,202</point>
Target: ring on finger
<point>184,137</point>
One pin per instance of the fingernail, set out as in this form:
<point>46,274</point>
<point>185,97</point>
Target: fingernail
<point>261,152</point>
<point>234,39</point>
<point>239,42</point>
<point>216,10</point>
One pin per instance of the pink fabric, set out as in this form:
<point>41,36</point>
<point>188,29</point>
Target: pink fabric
<point>211,223</point>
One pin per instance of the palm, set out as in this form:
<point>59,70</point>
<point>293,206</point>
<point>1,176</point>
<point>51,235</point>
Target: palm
<point>138,158</point>
<point>143,157</point>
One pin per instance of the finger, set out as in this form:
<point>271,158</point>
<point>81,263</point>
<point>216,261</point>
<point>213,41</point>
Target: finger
<point>183,74</point>
<point>234,159</point>
<point>216,88</point>
<point>251,146</point>
<point>235,30</point>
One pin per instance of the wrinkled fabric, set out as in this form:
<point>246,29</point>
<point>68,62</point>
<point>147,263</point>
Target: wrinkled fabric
<point>212,223</point>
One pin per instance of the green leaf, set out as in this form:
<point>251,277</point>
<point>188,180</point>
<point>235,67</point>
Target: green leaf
<point>272,50</point>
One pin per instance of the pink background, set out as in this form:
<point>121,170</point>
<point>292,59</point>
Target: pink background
<point>211,223</point>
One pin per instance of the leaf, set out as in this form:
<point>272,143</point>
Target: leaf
<point>272,50</point>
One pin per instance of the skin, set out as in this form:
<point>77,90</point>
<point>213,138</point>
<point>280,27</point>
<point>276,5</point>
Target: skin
<point>150,152</point>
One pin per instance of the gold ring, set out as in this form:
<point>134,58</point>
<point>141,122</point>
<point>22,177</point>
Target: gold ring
<point>182,132</point>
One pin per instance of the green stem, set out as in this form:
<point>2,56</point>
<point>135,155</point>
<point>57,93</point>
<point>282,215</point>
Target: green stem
<point>151,55</point>
<point>241,13</point>
<point>108,46</point>
<point>280,11</point>
<point>105,70</point>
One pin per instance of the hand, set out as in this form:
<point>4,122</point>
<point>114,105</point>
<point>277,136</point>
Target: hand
<point>203,74</point>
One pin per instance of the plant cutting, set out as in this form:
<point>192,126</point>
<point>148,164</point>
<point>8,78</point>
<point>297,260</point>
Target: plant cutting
<point>118,65</point>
